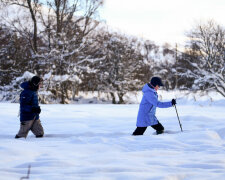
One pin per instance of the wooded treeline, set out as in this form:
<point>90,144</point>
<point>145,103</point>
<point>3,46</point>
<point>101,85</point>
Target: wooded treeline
<point>66,43</point>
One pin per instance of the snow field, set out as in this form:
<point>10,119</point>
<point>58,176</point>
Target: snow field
<point>95,142</point>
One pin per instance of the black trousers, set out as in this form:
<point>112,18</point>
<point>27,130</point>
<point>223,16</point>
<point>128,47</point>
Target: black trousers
<point>140,130</point>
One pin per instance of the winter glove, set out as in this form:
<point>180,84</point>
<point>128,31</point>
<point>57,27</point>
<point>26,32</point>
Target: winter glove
<point>173,102</point>
<point>36,110</point>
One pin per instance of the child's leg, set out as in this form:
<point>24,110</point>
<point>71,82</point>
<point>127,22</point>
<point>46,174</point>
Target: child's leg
<point>158,127</point>
<point>139,131</point>
<point>37,128</point>
<point>25,126</point>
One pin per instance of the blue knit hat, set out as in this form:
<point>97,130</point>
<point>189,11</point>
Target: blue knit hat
<point>35,80</point>
<point>156,81</point>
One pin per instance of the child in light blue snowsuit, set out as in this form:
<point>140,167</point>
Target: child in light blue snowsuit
<point>147,109</point>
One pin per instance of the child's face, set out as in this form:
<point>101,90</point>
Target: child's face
<point>40,85</point>
<point>156,87</point>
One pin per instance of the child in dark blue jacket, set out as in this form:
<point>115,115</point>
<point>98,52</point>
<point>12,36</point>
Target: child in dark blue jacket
<point>30,109</point>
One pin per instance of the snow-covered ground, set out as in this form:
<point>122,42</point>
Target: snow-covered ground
<point>94,142</point>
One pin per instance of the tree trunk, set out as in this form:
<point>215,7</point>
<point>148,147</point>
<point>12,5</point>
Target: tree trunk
<point>113,98</point>
<point>35,26</point>
<point>121,101</point>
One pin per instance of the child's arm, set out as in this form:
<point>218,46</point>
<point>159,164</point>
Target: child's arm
<point>154,101</point>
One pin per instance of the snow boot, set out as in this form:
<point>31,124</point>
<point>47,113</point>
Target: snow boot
<point>159,132</point>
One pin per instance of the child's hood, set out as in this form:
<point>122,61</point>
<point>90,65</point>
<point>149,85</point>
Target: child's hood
<point>146,89</point>
<point>25,85</point>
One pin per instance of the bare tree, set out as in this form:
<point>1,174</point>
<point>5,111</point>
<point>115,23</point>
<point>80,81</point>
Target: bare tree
<point>33,7</point>
<point>205,55</point>
<point>121,67</point>
<point>57,32</point>
<point>68,25</point>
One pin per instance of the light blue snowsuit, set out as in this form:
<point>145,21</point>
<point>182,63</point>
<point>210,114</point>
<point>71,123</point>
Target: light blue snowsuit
<point>147,109</point>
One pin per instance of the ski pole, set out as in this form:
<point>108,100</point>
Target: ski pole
<point>178,118</point>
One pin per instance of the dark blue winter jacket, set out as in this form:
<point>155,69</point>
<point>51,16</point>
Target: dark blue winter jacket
<point>28,100</point>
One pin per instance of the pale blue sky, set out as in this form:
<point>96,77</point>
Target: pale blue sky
<point>161,20</point>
